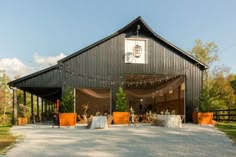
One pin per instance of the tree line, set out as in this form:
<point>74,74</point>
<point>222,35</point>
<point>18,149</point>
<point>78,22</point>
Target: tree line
<point>219,86</point>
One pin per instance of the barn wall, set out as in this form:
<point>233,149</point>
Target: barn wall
<point>103,67</point>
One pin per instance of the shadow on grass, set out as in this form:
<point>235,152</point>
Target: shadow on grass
<point>7,140</point>
<point>228,128</point>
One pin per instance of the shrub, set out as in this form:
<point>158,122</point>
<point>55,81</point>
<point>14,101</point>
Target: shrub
<point>121,103</point>
<point>67,101</point>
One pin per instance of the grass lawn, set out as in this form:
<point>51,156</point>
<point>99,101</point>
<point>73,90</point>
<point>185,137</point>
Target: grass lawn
<point>6,138</point>
<point>228,128</point>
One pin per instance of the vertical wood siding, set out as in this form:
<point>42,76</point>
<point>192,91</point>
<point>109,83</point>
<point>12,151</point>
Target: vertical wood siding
<point>106,61</point>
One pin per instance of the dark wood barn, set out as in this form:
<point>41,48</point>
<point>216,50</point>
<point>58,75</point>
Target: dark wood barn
<point>155,74</point>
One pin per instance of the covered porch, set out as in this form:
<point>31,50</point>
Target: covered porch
<point>36,95</point>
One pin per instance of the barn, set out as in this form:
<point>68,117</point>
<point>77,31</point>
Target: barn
<point>155,75</point>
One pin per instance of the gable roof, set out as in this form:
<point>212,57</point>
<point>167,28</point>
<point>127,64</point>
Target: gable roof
<point>131,26</point>
<point>144,27</point>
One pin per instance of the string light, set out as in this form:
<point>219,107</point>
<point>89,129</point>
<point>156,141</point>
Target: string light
<point>97,78</point>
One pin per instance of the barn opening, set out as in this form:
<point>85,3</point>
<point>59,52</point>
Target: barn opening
<point>156,93</point>
<point>96,99</point>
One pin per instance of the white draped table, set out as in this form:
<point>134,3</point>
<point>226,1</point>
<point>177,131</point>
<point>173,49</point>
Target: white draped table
<point>99,122</point>
<point>171,121</point>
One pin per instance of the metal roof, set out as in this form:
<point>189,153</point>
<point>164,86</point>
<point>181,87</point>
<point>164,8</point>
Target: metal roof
<point>12,83</point>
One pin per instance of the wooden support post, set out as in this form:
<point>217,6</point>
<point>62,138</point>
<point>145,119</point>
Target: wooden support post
<point>55,104</point>
<point>42,116</point>
<point>32,109</point>
<point>14,114</point>
<point>38,117</point>
<point>165,100</point>
<point>49,107</point>
<point>179,101</point>
<point>13,107</point>
<point>58,105</point>
<point>46,107</point>
<point>32,105</point>
<point>37,106</point>
<point>25,103</point>
<point>42,107</point>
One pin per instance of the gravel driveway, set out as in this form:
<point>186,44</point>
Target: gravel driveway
<point>122,141</point>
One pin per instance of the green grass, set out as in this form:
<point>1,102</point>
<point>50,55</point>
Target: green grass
<point>228,128</point>
<point>6,139</point>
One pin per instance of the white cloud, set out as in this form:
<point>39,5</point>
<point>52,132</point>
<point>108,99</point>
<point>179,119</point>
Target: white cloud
<point>46,61</point>
<point>14,67</point>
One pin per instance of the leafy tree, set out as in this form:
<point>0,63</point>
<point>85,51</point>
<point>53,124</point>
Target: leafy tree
<point>221,93</point>
<point>206,53</point>
<point>67,102</point>
<point>5,100</point>
<point>121,104</point>
<point>204,101</point>
<point>222,79</point>
<point>233,83</point>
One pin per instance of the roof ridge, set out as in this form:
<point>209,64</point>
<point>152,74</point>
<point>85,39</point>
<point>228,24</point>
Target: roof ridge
<point>139,18</point>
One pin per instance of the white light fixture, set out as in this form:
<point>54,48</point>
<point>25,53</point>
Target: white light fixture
<point>137,51</point>
<point>171,92</point>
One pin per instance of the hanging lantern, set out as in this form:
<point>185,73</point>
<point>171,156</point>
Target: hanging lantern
<point>137,51</point>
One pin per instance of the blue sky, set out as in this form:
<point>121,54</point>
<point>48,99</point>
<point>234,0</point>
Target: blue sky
<point>35,33</point>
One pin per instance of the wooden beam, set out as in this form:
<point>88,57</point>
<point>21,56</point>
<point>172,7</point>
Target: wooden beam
<point>46,107</point>
<point>13,107</point>
<point>32,105</point>
<point>55,105</point>
<point>179,101</point>
<point>24,103</point>
<point>165,100</point>
<point>14,114</point>
<point>37,106</point>
<point>24,98</point>
<point>42,107</point>
<point>49,107</point>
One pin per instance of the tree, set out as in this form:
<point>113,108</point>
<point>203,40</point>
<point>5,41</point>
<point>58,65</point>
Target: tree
<point>221,93</point>
<point>5,100</point>
<point>67,102</point>
<point>233,83</point>
<point>204,101</point>
<point>121,104</point>
<point>206,53</point>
